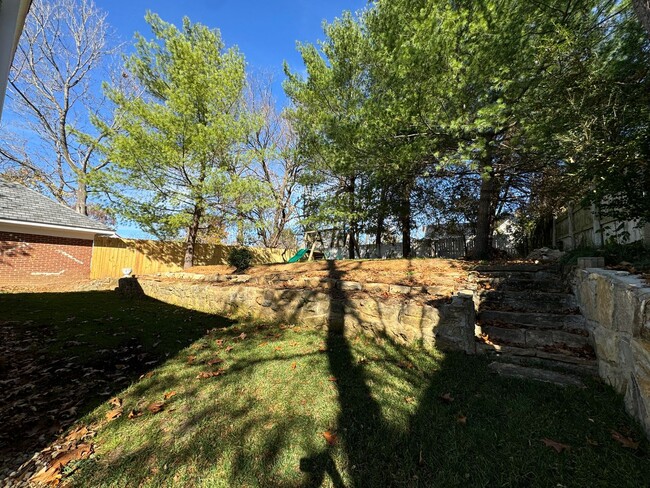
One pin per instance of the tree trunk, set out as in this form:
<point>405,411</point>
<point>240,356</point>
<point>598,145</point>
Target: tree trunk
<point>380,222</point>
<point>642,9</point>
<point>484,218</point>
<point>81,205</point>
<point>353,223</point>
<point>405,222</point>
<point>351,243</point>
<point>192,233</point>
<point>240,230</point>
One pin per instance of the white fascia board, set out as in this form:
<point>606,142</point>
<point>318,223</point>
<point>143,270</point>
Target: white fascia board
<point>12,21</point>
<point>51,229</point>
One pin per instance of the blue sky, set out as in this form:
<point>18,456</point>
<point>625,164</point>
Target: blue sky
<point>265,31</point>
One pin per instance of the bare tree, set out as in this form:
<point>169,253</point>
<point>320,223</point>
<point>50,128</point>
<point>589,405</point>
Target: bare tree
<point>50,142</point>
<point>275,163</point>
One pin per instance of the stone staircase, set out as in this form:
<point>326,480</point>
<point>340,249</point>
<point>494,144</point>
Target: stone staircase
<point>528,318</point>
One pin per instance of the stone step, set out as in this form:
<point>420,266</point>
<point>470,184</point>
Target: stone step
<point>510,370</point>
<point>534,338</point>
<point>557,356</point>
<point>588,368</point>
<point>568,323</point>
<point>519,275</point>
<point>550,285</point>
<point>527,301</point>
<point>521,268</point>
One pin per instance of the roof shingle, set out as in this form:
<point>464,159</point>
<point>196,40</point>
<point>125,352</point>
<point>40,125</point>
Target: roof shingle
<point>24,205</point>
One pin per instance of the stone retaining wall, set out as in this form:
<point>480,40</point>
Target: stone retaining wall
<point>443,323</point>
<point>617,308</point>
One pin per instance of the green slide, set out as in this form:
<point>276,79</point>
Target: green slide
<point>299,255</point>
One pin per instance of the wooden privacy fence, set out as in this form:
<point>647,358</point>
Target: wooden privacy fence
<point>583,227</point>
<point>111,254</point>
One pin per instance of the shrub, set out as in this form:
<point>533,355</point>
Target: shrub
<point>241,258</point>
<point>634,253</point>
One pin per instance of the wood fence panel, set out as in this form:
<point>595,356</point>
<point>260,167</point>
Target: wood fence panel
<point>111,255</point>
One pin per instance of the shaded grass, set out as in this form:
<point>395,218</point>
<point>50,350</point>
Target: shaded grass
<point>261,423</point>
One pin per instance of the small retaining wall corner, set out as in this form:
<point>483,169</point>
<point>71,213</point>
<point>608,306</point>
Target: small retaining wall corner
<point>617,308</point>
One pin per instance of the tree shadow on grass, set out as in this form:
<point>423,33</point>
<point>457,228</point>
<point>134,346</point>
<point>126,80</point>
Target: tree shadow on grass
<point>63,354</point>
<point>468,428</point>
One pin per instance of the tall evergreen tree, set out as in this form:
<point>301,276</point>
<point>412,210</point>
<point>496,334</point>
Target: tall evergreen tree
<point>177,158</point>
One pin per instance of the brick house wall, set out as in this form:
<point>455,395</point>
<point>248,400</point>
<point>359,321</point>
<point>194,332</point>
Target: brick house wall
<point>26,258</point>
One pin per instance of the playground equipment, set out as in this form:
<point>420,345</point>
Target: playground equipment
<point>322,244</point>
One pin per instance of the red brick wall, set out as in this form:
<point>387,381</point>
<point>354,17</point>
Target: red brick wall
<point>26,258</point>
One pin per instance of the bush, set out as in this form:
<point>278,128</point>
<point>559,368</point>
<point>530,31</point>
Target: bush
<point>241,258</point>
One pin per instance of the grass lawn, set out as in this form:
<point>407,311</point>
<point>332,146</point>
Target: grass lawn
<point>295,406</point>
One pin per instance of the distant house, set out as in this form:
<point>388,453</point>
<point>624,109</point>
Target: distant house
<point>42,240</point>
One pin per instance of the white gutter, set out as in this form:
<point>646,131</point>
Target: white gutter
<point>12,20</point>
<point>87,230</point>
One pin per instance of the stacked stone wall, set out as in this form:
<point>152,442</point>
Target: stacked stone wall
<point>446,323</point>
<point>617,308</point>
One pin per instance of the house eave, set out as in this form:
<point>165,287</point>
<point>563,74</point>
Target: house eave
<point>12,20</point>
<point>39,225</point>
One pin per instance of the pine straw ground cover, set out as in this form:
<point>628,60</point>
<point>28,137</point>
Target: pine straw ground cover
<point>245,404</point>
<point>408,272</point>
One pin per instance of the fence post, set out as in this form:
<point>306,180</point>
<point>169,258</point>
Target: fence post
<point>596,227</point>
<point>572,233</point>
<point>554,232</point>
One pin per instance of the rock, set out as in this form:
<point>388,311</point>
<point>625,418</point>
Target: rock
<point>376,287</point>
<point>545,254</point>
<point>349,286</point>
<point>591,262</point>
<point>399,289</point>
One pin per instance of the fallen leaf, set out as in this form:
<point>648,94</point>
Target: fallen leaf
<point>115,401</point>
<point>149,374</point>
<point>156,407</point>
<point>447,398</point>
<point>409,399</point>
<point>214,361</point>
<point>190,359</point>
<point>113,414</point>
<point>278,348</point>
<point>293,365</point>
<point>555,445</point>
<point>461,419</point>
<point>242,336</point>
<point>79,433</point>
<point>169,394</point>
<point>330,437</point>
<point>332,379</point>
<point>50,476</point>
<point>134,414</point>
<point>82,451</point>
<point>219,342</point>
<point>229,348</point>
<point>624,441</point>
<point>210,374</point>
